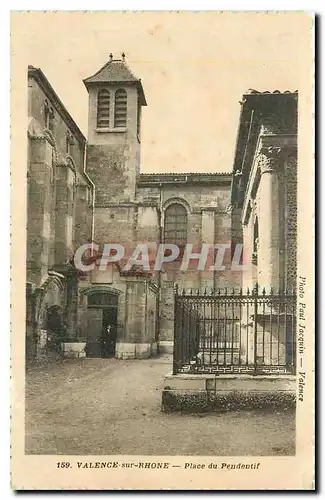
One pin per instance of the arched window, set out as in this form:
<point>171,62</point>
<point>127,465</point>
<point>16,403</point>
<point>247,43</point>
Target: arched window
<point>120,110</point>
<point>175,230</point>
<point>103,105</point>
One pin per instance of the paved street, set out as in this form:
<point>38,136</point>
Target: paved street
<point>109,406</point>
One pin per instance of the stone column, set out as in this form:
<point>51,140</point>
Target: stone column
<point>72,306</point>
<point>136,342</point>
<point>64,221</point>
<point>40,199</point>
<point>268,251</point>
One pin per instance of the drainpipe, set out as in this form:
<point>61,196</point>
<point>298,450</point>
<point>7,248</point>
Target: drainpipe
<point>247,141</point>
<point>159,272</point>
<point>93,200</point>
<point>146,337</point>
<point>239,184</point>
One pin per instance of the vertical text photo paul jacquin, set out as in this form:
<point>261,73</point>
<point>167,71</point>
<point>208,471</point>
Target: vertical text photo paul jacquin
<point>155,298</point>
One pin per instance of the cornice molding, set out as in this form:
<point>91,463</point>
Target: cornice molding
<point>97,288</point>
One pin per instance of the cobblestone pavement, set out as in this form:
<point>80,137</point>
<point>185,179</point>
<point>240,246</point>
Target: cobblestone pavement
<point>109,406</point>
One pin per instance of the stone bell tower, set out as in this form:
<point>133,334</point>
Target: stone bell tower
<point>116,97</point>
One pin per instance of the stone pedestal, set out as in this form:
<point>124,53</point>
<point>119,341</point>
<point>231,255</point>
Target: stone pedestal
<point>73,349</point>
<point>196,393</point>
<point>133,350</point>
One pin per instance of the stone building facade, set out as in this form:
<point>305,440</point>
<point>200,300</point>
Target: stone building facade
<point>96,193</point>
<point>59,214</point>
<point>264,189</point>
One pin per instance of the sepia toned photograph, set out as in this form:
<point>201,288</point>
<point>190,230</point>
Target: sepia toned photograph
<point>166,296</point>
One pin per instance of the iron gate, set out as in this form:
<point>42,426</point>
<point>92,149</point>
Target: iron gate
<point>236,332</point>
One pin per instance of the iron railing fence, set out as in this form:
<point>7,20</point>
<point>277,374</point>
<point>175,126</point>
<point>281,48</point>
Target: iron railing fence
<point>234,332</point>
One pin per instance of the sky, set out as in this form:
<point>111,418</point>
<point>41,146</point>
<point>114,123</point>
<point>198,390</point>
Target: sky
<point>194,67</point>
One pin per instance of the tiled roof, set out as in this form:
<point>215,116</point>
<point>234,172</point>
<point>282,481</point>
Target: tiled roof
<point>116,71</point>
<point>112,71</point>
<point>279,107</point>
<point>253,91</point>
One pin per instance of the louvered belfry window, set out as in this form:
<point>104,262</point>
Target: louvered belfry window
<point>175,225</point>
<point>120,111</point>
<point>103,104</point>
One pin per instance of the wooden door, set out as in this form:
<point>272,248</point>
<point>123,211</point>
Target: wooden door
<point>94,332</point>
<point>109,330</point>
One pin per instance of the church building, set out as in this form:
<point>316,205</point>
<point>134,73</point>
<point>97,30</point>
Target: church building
<point>93,191</point>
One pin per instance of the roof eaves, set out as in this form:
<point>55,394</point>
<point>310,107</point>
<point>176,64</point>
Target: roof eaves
<point>270,92</point>
<point>196,174</point>
<point>121,64</point>
<point>97,72</point>
<point>131,80</point>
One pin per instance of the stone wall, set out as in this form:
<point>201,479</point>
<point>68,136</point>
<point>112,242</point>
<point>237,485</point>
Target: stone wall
<point>115,224</point>
<point>108,168</point>
<point>83,215</point>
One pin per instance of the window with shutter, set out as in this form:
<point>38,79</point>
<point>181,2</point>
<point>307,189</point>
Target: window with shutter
<point>175,230</point>
<point>120,110</point>
<point>103,106</point>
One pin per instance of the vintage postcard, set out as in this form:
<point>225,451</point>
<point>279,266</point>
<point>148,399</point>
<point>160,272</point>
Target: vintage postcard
<point>162,250</point>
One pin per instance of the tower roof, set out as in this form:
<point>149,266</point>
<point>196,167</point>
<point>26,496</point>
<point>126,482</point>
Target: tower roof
<point>116,71</point>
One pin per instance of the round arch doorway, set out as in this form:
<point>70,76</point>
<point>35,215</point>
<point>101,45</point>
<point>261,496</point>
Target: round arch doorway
<point>102,324</point>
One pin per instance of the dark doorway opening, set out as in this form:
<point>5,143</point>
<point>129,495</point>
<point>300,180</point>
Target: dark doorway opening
<point>108,339</point>
<point>102,325</point>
